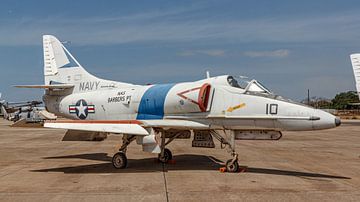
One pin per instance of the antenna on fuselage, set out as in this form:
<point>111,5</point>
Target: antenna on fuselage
<point>207,74</point>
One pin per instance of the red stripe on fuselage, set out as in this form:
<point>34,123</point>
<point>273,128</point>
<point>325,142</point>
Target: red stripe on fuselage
<point>98,121</point>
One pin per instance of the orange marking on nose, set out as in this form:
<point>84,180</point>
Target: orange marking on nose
<point>231,109</point>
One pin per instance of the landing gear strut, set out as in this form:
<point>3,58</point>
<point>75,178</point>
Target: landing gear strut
<point>165,155</point>
<point>231,165</point>
<point>119,159</point>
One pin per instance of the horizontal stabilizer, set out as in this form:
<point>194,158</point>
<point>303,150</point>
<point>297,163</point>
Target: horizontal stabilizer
<point>51,87</point>
<point>122,128</point>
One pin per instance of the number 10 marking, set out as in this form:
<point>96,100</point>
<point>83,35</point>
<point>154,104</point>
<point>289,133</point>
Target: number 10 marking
<point>271,109</point>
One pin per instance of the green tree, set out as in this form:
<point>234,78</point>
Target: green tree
<point>342,100</point>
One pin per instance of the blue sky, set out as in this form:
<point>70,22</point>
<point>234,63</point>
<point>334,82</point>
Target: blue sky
<point>289,46</point>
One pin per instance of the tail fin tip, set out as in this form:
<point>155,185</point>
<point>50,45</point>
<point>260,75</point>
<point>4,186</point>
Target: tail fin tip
<point>355,62</point>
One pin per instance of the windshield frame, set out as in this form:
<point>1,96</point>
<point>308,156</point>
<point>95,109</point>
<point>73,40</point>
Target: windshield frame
<point>258,84</point>
<point>243,83</point>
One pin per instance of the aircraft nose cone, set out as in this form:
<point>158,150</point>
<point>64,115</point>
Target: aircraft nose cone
<point>326,120</point>
<point>337,121</point>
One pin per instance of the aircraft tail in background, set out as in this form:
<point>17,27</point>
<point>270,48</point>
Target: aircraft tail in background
<point>355,62</point>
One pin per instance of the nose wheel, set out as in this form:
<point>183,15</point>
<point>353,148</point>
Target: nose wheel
<point>166,157</point>
<point>232,166</point>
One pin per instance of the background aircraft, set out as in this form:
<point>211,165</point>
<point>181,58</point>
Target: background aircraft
<point>2,102</point>
<point>24,113</point>
<point>226,108</point>
<point>355,62</point>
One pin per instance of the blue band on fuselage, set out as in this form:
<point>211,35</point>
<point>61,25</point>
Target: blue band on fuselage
<point>152,102</point>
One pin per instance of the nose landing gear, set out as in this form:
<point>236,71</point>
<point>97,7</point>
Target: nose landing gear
<point>232,165</point>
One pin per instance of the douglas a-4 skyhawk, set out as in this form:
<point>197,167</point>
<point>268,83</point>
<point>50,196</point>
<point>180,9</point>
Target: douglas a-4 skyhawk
<point>225,108</point>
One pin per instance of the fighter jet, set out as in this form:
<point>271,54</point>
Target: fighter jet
<point>226,108</point>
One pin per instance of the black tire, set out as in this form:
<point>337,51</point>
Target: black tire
<point>167,156</point>
<point>232,167</point>
<point>119,160</point>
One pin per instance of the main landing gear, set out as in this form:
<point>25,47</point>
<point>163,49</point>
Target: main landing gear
<point>166,157</point>
<point>119,159</point>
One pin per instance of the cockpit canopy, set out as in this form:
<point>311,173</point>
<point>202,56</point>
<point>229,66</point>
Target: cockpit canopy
<point>249,86</point>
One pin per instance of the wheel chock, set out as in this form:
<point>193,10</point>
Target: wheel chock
<point>241,169</point>
<point>222,169</point>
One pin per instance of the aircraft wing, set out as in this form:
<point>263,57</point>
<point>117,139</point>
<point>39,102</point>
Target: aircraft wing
<point>133,127</point>
<point>51,87</point>
<point>128,127</point>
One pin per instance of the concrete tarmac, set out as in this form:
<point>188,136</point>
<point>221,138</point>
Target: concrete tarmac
<point>35,165</point>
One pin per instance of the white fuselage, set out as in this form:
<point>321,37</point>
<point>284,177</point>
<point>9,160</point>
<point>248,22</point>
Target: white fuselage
<point>212,102</point>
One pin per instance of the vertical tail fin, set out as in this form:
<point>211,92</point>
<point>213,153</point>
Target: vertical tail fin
<point>63,71</point>
<point>355,61</point>
<point>60,67</point>
<point>56,56</point>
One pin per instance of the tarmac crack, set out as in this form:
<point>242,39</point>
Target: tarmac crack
<point>165,183</point>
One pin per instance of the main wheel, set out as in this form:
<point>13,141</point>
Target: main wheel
<point>167,156</point>
<point>232,167</point>
<point>119,160</point>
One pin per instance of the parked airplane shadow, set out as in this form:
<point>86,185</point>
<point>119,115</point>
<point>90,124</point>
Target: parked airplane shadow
<point>183,162</point>
<point>188,162</point>
<point>92,156</point>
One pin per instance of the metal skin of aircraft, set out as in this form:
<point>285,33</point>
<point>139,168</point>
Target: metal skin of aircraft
<point>224,107</point>
<point>355,62</point>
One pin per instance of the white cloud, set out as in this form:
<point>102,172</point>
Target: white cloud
<point>210,52</point>
<point>281,53</point>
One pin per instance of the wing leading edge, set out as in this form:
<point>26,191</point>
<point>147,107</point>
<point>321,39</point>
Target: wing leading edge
<point>100,126</point>
<point>133,127</point>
